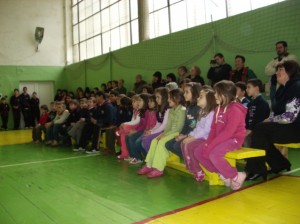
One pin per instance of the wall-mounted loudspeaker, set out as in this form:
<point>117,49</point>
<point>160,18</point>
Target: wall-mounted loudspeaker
<point>38,36</point>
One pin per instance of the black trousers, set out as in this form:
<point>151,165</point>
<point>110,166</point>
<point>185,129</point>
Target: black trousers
<point>27,117</point>
<point>90,131</point>
<point>17,118</point>
<point>4,119</point>
<point>264,136</point>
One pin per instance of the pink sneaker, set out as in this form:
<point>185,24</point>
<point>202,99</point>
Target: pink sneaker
<point>199,176</point>
<point>237,182</point>
<point>155,173</point>
<point>145,170</point>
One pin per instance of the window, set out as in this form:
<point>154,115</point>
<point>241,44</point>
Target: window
<point>100,26</point>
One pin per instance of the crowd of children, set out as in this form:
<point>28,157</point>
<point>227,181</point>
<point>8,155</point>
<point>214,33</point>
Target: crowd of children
<point>193,121</point>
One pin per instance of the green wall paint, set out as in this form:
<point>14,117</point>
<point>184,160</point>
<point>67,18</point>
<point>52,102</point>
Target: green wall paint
<point>10,77</point>
<point>252,34</point>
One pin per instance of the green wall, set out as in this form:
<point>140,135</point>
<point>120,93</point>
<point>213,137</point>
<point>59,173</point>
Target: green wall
<point>252,34</point>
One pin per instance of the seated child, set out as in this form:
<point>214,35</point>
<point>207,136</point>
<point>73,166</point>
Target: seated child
<point>191,94</point>
<point>227,134</point>
<point>40,126</point>
<point>157,156</point>
<point>207,103</point>
<point>241,93</point>
<point>148,107</point>
<point>258,108</point>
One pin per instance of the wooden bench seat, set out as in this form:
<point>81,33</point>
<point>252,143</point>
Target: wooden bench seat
<point>231,157</point>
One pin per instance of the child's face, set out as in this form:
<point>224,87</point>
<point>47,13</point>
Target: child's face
<point>201,101</point>
<point>43,111</point>
<point>73,106</point>
<point>239,93</point>
<point>112,98</point>
<point>251,90</point>
<point>151,104</point>
<point>171,102</point>
<point>218,98</point>
<point>59,109</point>
<point>91,104</point>
<point>141,104</point>
<point>135,104</point>
<point>53,107</point>
<point>158,98</point>
<point>83,105</point>
<point>3,101</point>
<point>188,94</point>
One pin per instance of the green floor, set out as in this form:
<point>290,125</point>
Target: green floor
<point>40,184</point>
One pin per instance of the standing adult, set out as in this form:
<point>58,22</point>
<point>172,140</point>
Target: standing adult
<point>25,107</point>
<point>219,69</point>
<point>35,109</point>
<point>16,108</point>
<point>282,127</point>
<point>270,70</point>
<point>241,73</point>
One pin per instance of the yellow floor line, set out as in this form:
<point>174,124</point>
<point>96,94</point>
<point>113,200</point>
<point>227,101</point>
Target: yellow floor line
<point>15,137</point>
<point>275,202</point>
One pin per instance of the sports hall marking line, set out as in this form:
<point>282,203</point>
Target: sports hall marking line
<point>46,161</point>
<point>199,203</point>
<point>292,171</point>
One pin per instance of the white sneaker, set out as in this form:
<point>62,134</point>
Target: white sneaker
<point>237,182</point>
<point>79,149</point>
<point>128,159</point>
<point>93,151</point>
<point>135,161</point>
<point>227,182</point>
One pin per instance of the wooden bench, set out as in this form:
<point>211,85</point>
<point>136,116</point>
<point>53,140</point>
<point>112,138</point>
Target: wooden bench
<point>284,148</point>
<point>231,157</point>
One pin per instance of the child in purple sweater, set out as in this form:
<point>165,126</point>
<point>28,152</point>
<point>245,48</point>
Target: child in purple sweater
<point>207,103</point>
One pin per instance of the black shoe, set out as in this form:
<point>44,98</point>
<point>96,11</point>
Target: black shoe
<point>255,176</point>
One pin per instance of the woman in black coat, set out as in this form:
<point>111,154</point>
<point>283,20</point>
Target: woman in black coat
<point>283,126</point>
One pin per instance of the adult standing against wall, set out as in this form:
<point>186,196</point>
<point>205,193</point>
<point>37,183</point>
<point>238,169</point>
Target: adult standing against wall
<point>16,108</point>
<point>282,127</point>
<point>35,109</point>
<point>219,69</point>
<point>25,107</point>
<point>270,70</point>
<point>241,73</point>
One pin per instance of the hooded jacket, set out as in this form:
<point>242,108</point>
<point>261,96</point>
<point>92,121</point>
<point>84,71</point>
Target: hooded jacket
<point>228,123</point>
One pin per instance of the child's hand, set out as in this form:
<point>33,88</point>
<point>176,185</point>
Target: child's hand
<point>93,120</point>
<point>131,132</point>
<point>248,132</point>
<point>188,139</point>
<point>146,133</point>
<point>160,137</point>
<point>179,137</point>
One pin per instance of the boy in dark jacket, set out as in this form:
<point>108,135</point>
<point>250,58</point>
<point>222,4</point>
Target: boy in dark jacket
<point>258,108</point>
